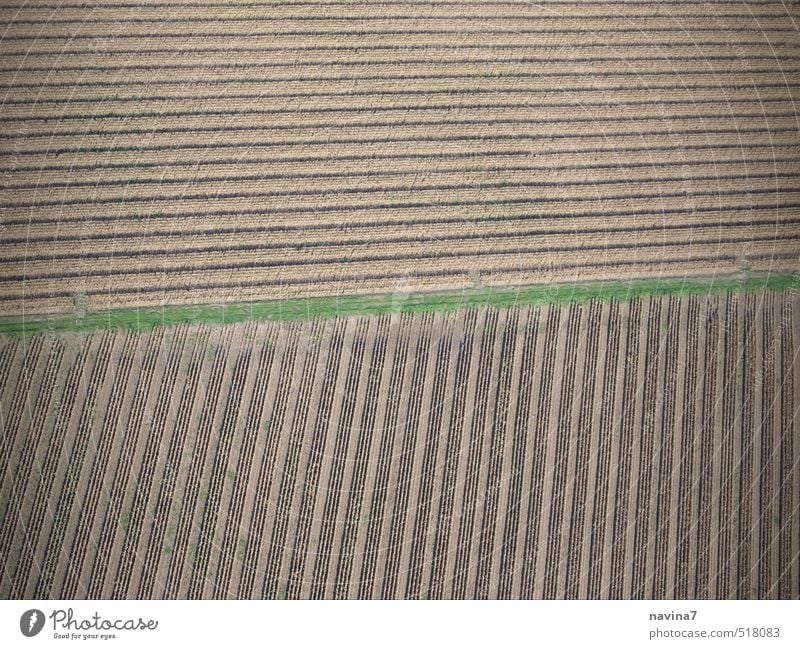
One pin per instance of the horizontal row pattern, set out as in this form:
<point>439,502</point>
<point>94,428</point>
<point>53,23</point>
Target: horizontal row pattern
<point>189,152</point>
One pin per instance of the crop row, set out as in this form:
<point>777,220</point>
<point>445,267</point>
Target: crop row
<point>608,449</point>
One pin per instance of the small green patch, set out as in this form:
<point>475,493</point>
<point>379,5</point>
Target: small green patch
<point>80,303</point>
<point>125,520</point>
<point>241,549</point>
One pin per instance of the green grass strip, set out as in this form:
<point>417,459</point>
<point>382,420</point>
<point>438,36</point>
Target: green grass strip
<point>400,302</point>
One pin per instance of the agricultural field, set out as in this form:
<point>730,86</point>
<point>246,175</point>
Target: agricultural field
<point>642,448</point>
<point>409,299</point>
<point>166,152</point>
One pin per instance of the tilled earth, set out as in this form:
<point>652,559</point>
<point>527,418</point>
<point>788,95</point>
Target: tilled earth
<point>182,152</point>
<point>638,449</point>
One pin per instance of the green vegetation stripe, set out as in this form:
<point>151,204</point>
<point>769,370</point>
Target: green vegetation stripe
<point>328,307</point>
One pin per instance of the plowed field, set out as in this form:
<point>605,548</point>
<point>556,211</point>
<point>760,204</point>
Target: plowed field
<point>611,449</point>
<point>201,152</point>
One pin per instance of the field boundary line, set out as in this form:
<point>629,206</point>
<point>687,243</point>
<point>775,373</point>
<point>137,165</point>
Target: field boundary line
<point>398,302</point>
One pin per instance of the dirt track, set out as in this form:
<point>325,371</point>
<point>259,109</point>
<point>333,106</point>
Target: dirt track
<point>625,450</point>
<point>171,154</point>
